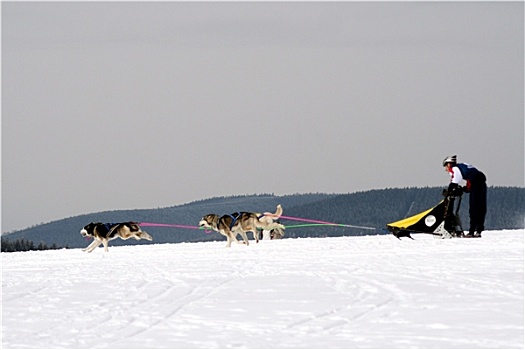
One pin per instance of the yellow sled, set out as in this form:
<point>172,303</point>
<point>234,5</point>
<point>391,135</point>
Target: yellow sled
<point>440,221</point>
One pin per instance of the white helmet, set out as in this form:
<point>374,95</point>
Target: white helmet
<point>449,159</point>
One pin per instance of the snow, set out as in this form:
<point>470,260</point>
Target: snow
<point>347,292</point>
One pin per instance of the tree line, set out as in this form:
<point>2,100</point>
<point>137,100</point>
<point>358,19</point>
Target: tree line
<point>25,245</point>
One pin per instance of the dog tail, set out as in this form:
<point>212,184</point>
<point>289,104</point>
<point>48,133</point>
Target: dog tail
<point>266,220</point>
<point>277,214</point>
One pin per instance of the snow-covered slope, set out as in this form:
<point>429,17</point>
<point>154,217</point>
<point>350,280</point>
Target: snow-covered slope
<point>348,292</point>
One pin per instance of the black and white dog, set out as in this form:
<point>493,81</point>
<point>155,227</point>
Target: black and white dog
<point>103,233</point>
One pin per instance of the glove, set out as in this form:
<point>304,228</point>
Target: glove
<point>458,191</point>
<point>454,190</point>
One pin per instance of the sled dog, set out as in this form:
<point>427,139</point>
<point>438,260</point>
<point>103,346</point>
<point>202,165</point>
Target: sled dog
<point>231,225</point>
<point>270,219</point>
<point>103,233</point>
<point>276,233</point>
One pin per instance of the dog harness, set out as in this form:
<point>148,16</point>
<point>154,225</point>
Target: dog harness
<point>110,225</point>
<point>234,218</point>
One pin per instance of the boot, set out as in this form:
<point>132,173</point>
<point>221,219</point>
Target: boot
<point>470,234</point>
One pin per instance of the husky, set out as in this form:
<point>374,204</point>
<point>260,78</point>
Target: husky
<point>239,223</point>
<point>103,233</point>
<point>276,233</point>
<point>269,219</point>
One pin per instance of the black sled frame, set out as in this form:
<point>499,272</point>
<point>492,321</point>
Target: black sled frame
<point>453,226</point>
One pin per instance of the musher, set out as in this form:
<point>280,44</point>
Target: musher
<point>476,186</point>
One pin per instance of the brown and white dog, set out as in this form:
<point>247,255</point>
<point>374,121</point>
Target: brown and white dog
<point>275,233</point>
<point>103,233</point>
<point>231,225</point>
<point>271,218</point>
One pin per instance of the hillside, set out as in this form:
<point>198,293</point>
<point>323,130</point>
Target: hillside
<point>374,208</point>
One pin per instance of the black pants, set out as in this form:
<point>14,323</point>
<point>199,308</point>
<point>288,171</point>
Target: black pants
<point>478,202</point>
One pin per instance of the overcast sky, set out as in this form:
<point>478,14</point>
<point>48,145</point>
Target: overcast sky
<point>130,105</point>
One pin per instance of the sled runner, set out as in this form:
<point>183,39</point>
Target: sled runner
<point>442,221</point>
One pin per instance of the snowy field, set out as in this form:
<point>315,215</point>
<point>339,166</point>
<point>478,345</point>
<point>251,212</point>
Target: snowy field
<point>349,292</point>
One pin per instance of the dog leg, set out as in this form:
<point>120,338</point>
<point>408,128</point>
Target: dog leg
<point>234,236</point>
<point>256,236</point>
<point>106,243</point>
<point>229,236</point>
<point>229,240</point>
<point>244,237</point>
<point>92,246</point>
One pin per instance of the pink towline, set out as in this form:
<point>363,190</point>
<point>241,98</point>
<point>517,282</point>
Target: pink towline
<point>146,224</point>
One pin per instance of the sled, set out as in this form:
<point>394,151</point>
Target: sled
<point>442,221</point>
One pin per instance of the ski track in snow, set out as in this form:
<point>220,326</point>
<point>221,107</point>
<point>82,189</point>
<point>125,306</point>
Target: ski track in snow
<point>347,292</point>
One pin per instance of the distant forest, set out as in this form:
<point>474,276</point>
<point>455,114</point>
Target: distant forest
<point>25,245</point>
<point>373,209</point>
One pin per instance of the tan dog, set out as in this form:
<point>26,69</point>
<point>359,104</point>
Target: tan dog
<point>276,233</point>
<point>269,219</point>
<point>103,233</point>
<point>239,223</point>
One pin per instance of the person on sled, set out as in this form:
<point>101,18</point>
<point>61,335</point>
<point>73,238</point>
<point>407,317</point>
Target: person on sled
<point>476,186</point>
